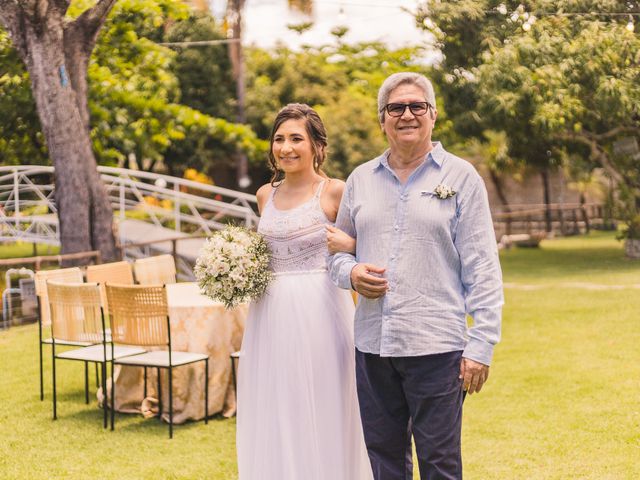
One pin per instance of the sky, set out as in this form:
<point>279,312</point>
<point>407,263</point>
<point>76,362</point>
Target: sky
<point>265,22</point>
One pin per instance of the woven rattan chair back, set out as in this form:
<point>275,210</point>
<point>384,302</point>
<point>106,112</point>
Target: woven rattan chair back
<point>157,270</point>
<point>75,310</point>
<point>114,272</point>
<point>138,314</point>
<point>64,275</point>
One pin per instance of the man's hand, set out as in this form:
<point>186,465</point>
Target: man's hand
<point>366,284</point>
<point>473,375</point>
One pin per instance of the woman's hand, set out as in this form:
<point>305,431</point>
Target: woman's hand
<point>338,241</point>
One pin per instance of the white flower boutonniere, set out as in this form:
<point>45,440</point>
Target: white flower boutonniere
<point>443,192</point>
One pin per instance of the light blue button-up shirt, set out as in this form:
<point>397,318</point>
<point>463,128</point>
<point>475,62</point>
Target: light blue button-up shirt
<point>440,255</point>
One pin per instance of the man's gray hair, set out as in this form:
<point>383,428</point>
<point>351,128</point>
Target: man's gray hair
<point>397,79</point>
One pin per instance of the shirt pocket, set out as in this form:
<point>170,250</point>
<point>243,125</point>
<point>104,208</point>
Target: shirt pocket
<point>432,219</point>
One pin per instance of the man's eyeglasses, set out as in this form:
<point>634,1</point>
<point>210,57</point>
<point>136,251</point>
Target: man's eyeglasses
<point>417,108</point>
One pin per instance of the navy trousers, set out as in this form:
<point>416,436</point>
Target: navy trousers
<point>404,396</point>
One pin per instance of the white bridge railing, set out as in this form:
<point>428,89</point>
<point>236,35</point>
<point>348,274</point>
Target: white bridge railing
<point>180,207</point>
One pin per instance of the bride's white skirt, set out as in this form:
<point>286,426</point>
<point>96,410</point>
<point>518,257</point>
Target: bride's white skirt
<point>298,416</point>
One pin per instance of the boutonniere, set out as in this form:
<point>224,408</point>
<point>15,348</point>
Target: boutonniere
<point>443,191</point>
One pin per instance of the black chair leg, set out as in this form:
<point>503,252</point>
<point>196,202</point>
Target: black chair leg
<point>159,395</point>
<point>41,371</point>
<point>86,382</point>
<point>97,376</point>
<point>104,393</point>
<point>113,396</point>
<point>145,382</point>
<point>170,402</point>
<point>40,349</point>
<point>206,391</point>
<point>53,375</point>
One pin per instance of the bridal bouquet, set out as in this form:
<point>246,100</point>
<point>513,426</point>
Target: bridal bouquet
<point>233,266</point>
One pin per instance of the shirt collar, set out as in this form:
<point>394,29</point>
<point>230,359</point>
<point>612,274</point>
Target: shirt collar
<point>436,155</point>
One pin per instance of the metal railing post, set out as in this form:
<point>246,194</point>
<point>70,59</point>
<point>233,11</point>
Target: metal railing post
<point>16,199</point>
<point>121,199</point>
<point>176,208</point>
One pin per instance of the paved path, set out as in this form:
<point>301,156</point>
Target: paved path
<point>137,231</point>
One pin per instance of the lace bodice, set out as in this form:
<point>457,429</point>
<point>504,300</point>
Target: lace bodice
<point>297,237</point>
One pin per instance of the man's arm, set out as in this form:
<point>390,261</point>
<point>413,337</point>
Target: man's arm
<point>341,263</point>
<point>482,281</point>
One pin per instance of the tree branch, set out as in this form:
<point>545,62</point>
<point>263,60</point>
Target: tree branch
<point>62,6</point>
<point>597,153</point>
<point>9,13</point>
<point>89,23</point>
<point>598,137</point>
<point>12,19</point>
<point>36,12</point>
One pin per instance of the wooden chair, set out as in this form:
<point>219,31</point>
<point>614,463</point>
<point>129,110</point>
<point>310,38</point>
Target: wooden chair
<point>140,316</point>
<point>73,275</point>
<point>157,270</point>
<point>114,272</point>
<point>77,318</point>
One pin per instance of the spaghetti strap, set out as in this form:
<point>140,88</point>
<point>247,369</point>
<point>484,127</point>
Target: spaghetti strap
<point>319,189</point>
<point>272,194</point>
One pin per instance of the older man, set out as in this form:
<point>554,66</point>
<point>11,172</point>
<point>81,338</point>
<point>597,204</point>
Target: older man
<point>426,257</point>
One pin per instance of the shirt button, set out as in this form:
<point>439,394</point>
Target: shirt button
<point>396,228</point>
<point>393,257</point>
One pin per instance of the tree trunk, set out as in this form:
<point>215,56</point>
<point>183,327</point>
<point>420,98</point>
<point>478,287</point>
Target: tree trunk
<point>585,215</point>
<point>544,173</point>
<point>497,183</point>
<point>84,212</point>
<point>236,55</point>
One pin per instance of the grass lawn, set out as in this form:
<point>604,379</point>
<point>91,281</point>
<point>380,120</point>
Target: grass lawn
<point>562,401</point>
<point>23,249</point>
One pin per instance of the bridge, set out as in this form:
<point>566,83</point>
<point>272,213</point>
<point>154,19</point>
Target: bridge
<point>153,213</point>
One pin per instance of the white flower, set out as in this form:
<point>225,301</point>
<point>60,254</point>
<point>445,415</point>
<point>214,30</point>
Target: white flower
<point>233,266</point>
<point>443,191</point>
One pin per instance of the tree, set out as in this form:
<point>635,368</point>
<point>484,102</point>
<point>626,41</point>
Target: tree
<point>146,101</point>
<point>204,72</point>
<point>493,153</point>
<point>546,73</point>
<point>579,84</point>
<point>341,81</point>
<point>56,52</point>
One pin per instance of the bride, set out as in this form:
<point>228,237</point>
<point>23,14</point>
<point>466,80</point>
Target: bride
<point>298,416</point>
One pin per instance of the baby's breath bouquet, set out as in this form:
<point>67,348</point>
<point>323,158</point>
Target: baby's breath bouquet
<point>233,266</point>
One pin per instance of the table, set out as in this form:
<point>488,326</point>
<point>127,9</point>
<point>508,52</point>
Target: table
<point>198,324</point>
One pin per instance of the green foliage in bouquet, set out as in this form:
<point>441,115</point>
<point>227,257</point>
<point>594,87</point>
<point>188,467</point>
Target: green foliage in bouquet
<point>233,266</point>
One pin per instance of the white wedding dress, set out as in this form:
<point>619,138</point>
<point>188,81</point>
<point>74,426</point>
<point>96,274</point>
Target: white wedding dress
<point>298,416</point>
